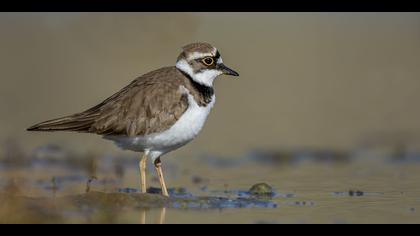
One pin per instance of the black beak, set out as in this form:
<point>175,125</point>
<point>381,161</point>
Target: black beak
<point>226,70</point>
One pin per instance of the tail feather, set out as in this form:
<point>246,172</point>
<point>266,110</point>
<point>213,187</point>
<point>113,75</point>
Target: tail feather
<point>76,122</point>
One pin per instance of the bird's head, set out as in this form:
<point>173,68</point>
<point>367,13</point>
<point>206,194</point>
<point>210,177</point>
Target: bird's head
<point>203,63</point>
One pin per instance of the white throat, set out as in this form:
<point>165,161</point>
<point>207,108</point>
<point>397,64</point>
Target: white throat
<point>205,78</point>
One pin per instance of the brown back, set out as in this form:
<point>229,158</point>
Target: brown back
<point>151,103</point>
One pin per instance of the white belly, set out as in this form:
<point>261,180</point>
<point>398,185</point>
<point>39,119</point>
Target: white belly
<point>182,132</point>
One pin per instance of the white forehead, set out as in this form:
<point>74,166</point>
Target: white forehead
<point>197,55</point>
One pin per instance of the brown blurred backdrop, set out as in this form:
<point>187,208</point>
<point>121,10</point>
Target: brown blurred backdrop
<point>326,80</point>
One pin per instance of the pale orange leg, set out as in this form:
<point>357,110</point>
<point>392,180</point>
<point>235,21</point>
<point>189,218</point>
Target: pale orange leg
<point>162,216</point>
<point>158,166</point>
<point>143,216</point>
<point>142,166</point>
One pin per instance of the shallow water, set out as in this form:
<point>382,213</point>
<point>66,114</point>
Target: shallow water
<point>365,186</point>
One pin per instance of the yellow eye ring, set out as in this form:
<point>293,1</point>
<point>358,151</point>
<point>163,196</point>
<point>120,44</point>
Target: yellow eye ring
<point>208,61</point>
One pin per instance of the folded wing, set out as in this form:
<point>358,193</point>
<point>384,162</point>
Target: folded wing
<point>152,103</point>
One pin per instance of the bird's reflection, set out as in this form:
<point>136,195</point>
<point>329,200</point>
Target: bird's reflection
<point>160,219</point>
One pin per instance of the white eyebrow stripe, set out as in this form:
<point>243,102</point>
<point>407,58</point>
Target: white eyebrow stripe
<point>197,55</point>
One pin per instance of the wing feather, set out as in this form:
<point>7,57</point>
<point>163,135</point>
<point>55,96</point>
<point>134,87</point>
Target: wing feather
<point>151,103</point>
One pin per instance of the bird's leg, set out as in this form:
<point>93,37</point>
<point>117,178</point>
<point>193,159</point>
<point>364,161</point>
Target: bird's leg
<point>162,216</point>
<point>142,166</point>
<point>143,216</point>
<point>158,166</point>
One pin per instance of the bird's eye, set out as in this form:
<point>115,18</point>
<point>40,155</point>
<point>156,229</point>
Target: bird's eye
<point>208,61</point>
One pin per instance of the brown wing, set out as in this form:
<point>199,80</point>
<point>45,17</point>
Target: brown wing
<point>152,103</point>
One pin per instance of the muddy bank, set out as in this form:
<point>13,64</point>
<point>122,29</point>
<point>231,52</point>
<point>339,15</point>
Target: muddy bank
<point>138,200</point>
<point>92,204</point>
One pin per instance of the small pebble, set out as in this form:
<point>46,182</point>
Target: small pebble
<point>261,189</point>
<point>198,180</point>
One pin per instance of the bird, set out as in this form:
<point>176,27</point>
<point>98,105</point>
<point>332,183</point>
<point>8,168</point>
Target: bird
<point>157,112</point>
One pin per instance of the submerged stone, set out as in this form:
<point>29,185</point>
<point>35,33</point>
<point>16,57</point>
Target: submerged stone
<point>357,193</point>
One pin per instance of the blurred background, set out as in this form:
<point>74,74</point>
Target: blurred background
<point>323,81</point>
<point>307,79</point>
